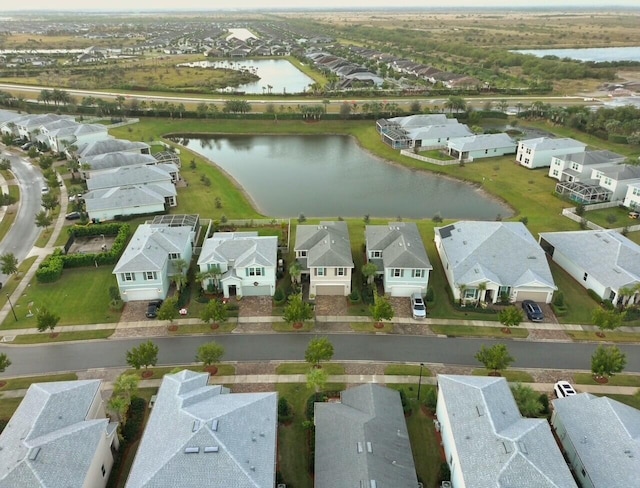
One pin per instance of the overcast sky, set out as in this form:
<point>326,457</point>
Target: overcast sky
<point>7,5</point>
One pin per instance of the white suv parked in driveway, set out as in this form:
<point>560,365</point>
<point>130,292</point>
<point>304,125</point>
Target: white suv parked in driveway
<point>418,308</point>
<point>563,389</point>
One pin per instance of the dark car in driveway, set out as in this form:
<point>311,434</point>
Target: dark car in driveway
<point>533,311</point>
<point>152,308</point>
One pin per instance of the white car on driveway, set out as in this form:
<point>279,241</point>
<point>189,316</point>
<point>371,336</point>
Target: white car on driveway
<point>418,308</point>
<point>563,389</point>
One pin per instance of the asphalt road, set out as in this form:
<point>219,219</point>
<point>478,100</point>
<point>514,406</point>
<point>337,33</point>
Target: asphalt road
<point>29,360</point>
<point>24,233</point>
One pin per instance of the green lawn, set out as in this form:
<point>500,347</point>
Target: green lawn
<point>631,400</point>
<point>26,381</point>
<point>8,406</point>
<point>406,370</point>
<point>511,375</point>
<point>285,327</point>
<point>160,371</point>
<point>578,302</point>
<point>610,218</point>
<point>609,336</point>
<point>80,335</point>
<point>80,296</point>
<point>617,380</point>
<point>10,214</point>
<point>303,368</point>
<point>370,327</point>
<point>472,331</point>
<point>187,329</point>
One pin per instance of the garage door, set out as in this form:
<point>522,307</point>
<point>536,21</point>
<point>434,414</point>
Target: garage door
<point>136,295</point>
<point>403,291</point>
<point>330,290</point>
<point>536,296</point>
<point>256,291</point>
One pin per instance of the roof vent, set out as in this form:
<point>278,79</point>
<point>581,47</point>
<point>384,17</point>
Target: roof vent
<point>211,449</point>
<point>191,450</point>
<point>359,447</point>
<point>196,425</point>
<point>214,425</point>
<point>369,448</point>
<point>36,450</point>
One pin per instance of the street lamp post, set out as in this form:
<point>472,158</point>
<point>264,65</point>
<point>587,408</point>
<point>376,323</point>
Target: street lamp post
<point>12,310</point>
<point>420,380</point>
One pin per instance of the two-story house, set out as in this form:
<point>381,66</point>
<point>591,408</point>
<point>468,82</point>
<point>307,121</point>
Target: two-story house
<point>617,179</point>
<point>536,153</point>
<point>324,254</point>
<point>578,166</point>
<point>145,268</point>
<point>398,252</point>
<point>240,263</point>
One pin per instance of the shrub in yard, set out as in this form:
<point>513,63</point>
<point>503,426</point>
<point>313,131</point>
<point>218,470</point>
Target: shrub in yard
<point>135,418</point>
<point>430,399</point>
<point>354,296</point>
<point>50,268</point>
<point>405,404</point>
<point>558,299</point>
<point>279,296</point>
<point>544,401</point>
<point>430,296</point>
<point>284,410</point>
<point>594,295</point>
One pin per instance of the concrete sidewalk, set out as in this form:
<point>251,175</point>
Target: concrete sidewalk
<point>349,380</point>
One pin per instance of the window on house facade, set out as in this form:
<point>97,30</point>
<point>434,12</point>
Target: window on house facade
<point>575,166</point>
<point>150,275</point>
<point>128,276</point>
<point>607,181</point>
<point>341,271</point>
<point>376,254</point>
<point>396,273</point>
<point>526,160</point>
<point>584,278</point>
<point>504,290</point>
<point>254,272</point>
<point>174,255</point>
<point>528,151</point>
<point>470,292</point>
<point>417,273</point>
<point>301,254</point>
<point>486,151</point>
<point>104,471</point>
<point>555,172</point>
<point>320,271</point>
<point>636,192</point>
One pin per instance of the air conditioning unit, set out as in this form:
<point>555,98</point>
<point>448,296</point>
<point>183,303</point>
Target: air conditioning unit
<point>446,484</point>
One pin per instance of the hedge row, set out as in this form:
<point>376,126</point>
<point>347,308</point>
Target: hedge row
<point>51,268</point>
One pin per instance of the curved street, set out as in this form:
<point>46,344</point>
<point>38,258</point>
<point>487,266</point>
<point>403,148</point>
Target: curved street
<point>41,359</point>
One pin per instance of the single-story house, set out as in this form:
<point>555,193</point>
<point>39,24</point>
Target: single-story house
<point>243,263</point>
<point>203,436</point>
<point>600,260</point>
<point>362,440</point>
<point>324,254</point>
<point>632,198</point>
<point>76,135</point>
<point>400,257</point>
<point>59,436</point>
<point>481,146</point>
<point>107,161</point>
<point>536,153</point>
<point>94,148</point>
<point>412,121</point>
<point>600,438</point>
<point>128,175</point>
<point>109,203</point>
<point>437,136</point>
<point>488,444</point>
<point>578,166</point>
<point>486,261</point>
<point>145,268</point>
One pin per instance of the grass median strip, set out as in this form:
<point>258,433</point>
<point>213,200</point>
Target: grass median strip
<point>159,372</point>
<point>203,329</point>
<point>80,335</point>
<point>303,368</point>
<point>285,327</point>
<point>25,382</point>
<point>609,336</point>
<point>370,327</point>
<point>512,376</point>
<point>406,370</point>
<point>476,331</point>
<point>618,380</point>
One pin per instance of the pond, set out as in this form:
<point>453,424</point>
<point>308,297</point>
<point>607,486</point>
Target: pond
<point>276,75</point>
<point>597,54</point>
<point>331,176</point>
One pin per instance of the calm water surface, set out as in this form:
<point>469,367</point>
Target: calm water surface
<point>331,176</point>
<point>598,54</point>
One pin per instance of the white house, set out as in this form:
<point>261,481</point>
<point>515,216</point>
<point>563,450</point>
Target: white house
<point>437,136</point>
<point>145,268</point>
<point>536,153</point>
<point>105,146</point>
<point>484,261</point>
<point>59,436</point>
<point>74,135</point>
<point>203,436</point>
<point>398,252</point>
<point>632,198</point>
<point>602,261</point>
<point>488,444</point>
<point>244,263</point>
<point>481,146</point>
<point>578,166</point>
<point>129,175</point>
<point>107,161</point>
<point>324,254</point>
<point>617,179</point>
<point>109,203</point>
<point>600,438</point>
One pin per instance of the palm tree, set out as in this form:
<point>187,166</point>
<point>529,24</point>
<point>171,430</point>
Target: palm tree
<point>462,288</point>
<point>213,273</point>
<point>482,288</point>
<point>295,270</point>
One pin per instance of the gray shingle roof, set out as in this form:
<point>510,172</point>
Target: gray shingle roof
<point>496,446</point>
<point>608,256</point>
<point>128,197</point>
<point>117,159</point>
<point>400,243</point>
<point>440,131</point>
<point>128,175</point>
<point>503,252</point>
<point>622,172</point>
<point>421,120</point>
<point>482,141</point>
<point>51,426</point>
<point>369,419</point>
<point>242,248</point>
<point>149,248</point>
<point>588,158</point>
<point>547,143</point>
<point>190,414</point>
<point>327,244</point>
<point>109,146</point>
<point>606,435</point>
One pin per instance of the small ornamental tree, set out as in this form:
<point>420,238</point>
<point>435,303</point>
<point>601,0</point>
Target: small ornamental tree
<point>297,311</point>
<point>527,399</point>
<point>510,316</point>
<point>145,355</point>
<point>8,264</point>
<point>215,311</point>
<point>607,319</point>
<point>319,349</point>
<point>317,378</point>
<point>381,308</point>
<point>43,219</point>
<point>369,271</point>
<point>210,353</point>
<point>46,320</point>
<point>5,362</point>
<point>169,309</point>
<point>495,358</point>
<point>607,361</point>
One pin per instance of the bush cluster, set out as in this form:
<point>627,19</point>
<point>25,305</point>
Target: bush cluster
<point>131,431</point>
<point>50,268</point>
